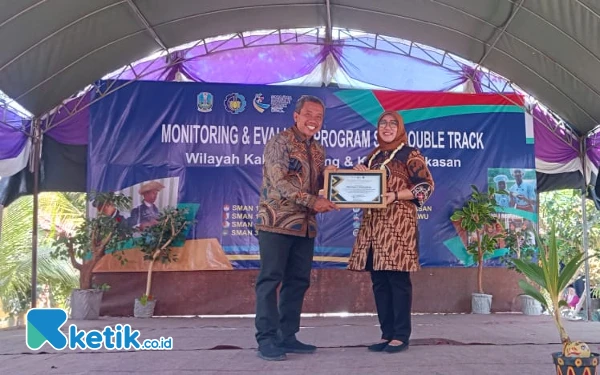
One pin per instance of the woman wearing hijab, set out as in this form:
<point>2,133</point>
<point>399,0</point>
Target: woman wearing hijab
<point>388,239</point>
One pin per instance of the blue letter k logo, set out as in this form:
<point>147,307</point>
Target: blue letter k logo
<point>44,325</point>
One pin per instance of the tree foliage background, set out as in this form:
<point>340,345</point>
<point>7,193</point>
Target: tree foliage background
<point>65,211</point>
<point>56,278</point>
<point>565,209</point>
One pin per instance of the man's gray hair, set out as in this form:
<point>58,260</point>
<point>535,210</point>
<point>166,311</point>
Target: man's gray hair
<point>308,98</point>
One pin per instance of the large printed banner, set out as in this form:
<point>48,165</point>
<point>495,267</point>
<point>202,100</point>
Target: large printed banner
<point>200,146</point>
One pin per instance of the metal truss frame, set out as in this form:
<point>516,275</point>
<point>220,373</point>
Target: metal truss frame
<point>327,35</point>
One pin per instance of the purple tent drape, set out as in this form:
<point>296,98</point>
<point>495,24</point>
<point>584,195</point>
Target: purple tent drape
<point>557,160</point>
<point>13,135</point>
<point>70,125</point>
<point>593,164</point>
<point>592,144</point>
<point>261,65</point>
<point>279,58</point>
<point>553,143</point>
<point>14,142</point>
<point>266,60</point>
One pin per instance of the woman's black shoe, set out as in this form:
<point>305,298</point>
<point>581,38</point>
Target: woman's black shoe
<point>380,346</point>
<point>396,348</point>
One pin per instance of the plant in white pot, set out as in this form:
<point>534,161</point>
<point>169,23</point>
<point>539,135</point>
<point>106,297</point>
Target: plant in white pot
<point>596,303</point>
<point>520,246</point>
<point>156,242</point>
<point>475,217</point>
<point>88,243</point>
<point>546,275</point>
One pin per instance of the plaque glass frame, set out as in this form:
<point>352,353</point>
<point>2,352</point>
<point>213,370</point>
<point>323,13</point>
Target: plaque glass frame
<point>349,188</point>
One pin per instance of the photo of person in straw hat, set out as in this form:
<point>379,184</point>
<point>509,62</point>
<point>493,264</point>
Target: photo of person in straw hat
<point>146,213</point>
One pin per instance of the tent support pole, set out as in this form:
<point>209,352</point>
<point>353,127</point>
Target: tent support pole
<point>587,290</point>
<point>37,134</point>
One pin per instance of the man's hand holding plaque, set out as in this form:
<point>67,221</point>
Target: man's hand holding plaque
<point>324,205</point>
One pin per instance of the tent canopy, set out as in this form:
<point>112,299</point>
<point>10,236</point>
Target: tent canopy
<point>52,49</point>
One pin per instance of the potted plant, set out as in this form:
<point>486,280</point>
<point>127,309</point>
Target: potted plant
<point>88,244</point>
<point>156,243</point>
<point>596,300</point>
<point>547,276</point>
<point>520,247</point>
<point>476,217</point>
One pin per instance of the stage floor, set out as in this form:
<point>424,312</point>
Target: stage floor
<point>441,344</point>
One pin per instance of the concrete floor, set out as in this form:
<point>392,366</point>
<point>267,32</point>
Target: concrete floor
<point>441,344</point>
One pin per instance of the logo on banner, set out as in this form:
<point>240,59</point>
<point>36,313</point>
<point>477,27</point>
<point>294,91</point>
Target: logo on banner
<point>235,103</point>
<point>205,102</point>
<point>258,103</point>
<point>280,102</point>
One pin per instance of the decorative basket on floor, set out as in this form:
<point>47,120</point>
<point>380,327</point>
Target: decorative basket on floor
<point>530,306</point>
<point>576,366</point>
<point>481,303</point>
<point>143,311</point>
<point>85,304</point>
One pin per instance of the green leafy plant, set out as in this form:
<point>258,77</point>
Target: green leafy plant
<point>566,205</point>
<point>547,276</point>
<point>156,241</point>
<point>596,292</point>
<point>93,238</point>
<point>145,298</point>
<point>519,247</point>
<point>56,210</point>
<point>103,287</point>
<point>477,215</point>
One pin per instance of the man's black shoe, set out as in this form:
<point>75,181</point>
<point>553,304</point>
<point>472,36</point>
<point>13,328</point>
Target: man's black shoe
<point>396,348</point>
<point>270,352</point>
<point>295,346</point>
<point>379,347</point>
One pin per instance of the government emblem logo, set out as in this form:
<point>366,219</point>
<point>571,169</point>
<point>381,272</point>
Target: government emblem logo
<point>205,102</point>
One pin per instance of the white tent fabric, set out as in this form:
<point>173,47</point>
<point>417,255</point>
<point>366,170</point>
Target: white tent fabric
<point>51,49</point>
<point>11,166</point>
